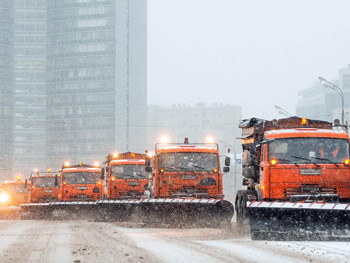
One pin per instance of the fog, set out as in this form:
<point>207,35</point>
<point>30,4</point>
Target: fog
<point>254,54</point>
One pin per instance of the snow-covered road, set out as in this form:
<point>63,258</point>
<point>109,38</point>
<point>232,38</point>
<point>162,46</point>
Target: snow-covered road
<point>83,241</point>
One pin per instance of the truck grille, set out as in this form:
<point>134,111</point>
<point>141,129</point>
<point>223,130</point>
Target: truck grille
<point>188,192</point>
<point>311,192</point>
<point>309,189</point>
<point>82,198</point>
<point>46,199</point>
<point>130,195</point>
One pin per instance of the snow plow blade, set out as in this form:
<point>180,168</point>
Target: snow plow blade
<point>298,221</point>
<point>60,210</point>
<point>176,212</point>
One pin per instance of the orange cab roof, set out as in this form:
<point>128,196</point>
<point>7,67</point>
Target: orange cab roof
<point>127,161</point>
<point>81,169</point>
<point>187,148</point>
<point>304,133</point>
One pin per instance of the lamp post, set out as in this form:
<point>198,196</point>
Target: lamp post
<point>339,91</point>
<point>283,112</point>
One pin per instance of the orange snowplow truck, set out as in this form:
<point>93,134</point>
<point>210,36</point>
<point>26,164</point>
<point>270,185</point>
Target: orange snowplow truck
<point>187,170</point>
<point>81,186</point>
<point>126,176</point>
<point>45,187</point>
<point>296,170</point>
<point>186,183</point>
<point>13,193</point>
<point>81,182</point>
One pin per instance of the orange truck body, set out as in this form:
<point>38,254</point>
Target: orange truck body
<point>295,161</point>
<point>17,192</point>
<point>81,183</point>
<point>187,170</point>
<point>126,176</point>
<point>44,188</point>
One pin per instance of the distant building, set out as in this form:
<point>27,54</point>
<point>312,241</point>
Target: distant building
<point>197,123</point>
<point>319,102</point>
<point>6,90</point>
<point>97,85</point>
<point>73,81</point>
<point>29,86</point>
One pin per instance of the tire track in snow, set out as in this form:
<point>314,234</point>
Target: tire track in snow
<point>169,246</point>
<point>40,242</point>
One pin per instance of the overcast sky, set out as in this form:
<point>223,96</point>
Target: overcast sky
<point>255,54</point>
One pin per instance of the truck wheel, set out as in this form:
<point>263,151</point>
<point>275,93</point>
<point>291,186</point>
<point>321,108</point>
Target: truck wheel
<point>241,209</point>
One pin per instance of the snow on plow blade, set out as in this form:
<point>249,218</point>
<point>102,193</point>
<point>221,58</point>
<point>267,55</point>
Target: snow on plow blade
<point>298,221</point>
<point>60,210</point>
<point>177,212</point>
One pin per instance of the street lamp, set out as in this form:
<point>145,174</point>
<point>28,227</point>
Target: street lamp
<point>283,112</point>
<point>339,91</point>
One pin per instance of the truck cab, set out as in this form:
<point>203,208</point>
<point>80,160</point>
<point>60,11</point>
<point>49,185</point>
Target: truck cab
<point>13,193</point>
<point>297,163</point>
<point>45,187</point>
<point>187,170</point>
<point>126,175</point>
<point>81,182</point>
<point>295,159</point>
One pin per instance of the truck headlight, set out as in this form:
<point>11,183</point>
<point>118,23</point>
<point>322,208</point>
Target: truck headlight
<point>4,197</point>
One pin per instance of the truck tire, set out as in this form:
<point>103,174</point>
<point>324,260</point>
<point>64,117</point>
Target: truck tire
<point>241,209</point>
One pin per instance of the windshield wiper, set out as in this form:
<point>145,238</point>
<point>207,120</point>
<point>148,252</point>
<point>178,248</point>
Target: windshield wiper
<point>184,168</point>
<point>123,176</point>
<point>324,159</point>
<point>306,159</point>
<point>174,168</point>
<point>140,175</point>
<point>199,167</point>
<point>286,160</point>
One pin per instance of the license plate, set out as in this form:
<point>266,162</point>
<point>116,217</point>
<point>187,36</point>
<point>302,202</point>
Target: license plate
<point>48,191</point>
<point>310,171</point>
<point>81,188</point>
<point>188,177</point>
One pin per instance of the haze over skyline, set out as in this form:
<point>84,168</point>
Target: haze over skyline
<point>254,54</point>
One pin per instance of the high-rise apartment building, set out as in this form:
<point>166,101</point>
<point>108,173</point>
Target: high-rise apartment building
<point>6,76</point>
<point>29,86</point>
<point>73,81</point>
<point>96,93</point>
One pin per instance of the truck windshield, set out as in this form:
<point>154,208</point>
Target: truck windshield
<point>81,177</point>
<point>306,150</point>
<point>44,182</point>
<point>193,161</point>
<point>128,171</point>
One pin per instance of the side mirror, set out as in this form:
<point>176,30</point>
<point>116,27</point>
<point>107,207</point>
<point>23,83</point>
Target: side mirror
<point>25,183</point>
<point>226,169</point>
<point>148,169</point>
<point>148,161</point>
<point>227,161</point>
<point>56,180</point>
<point>102,174</point>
